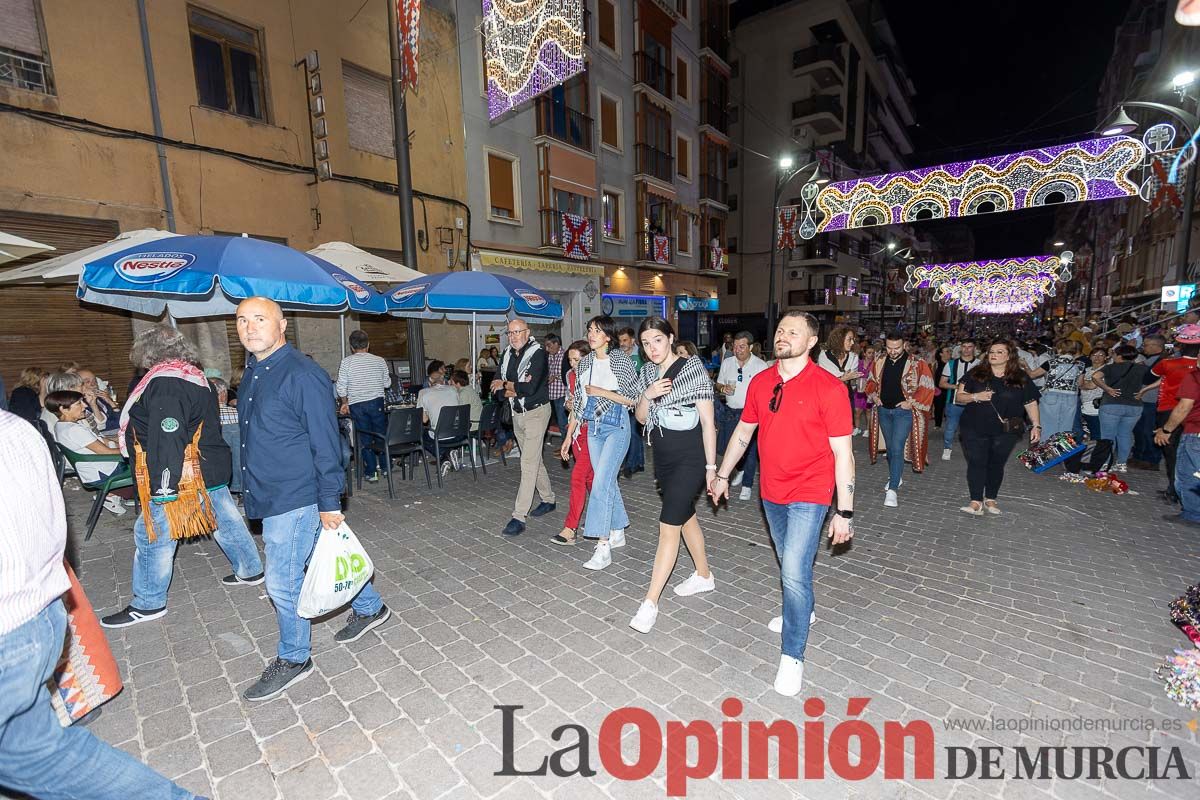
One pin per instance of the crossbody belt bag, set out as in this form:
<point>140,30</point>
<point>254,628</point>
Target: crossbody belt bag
<point>678,418</point>
<point>1010,424</point>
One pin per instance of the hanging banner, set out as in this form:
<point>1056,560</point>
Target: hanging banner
<point>717,260</point>
<point>1096,169</point>
<point>662,249</point>
<point>408,17</point>
<point>577,237</point>
<point>529,47</point>
<point>787,227</point>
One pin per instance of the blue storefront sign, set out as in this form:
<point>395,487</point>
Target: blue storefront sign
<point>633,306</point>
<point>685,303</point>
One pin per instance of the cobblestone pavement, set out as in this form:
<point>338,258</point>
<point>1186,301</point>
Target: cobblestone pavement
<point>1054,611</point>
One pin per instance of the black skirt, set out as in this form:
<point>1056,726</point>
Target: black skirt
<point>679,468</point>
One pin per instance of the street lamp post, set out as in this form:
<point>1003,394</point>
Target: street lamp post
<point>784,175</point>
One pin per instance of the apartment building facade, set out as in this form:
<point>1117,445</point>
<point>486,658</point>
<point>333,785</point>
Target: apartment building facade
<point>275,120</point>
<point>636,146</point>
<point>817,79</point>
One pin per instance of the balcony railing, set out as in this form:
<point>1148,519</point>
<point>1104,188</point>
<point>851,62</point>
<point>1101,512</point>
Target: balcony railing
<point>814,55</point>
<point>564,123</point>
<point>714,188</point>
<point>714,262</point>
<point>654,162</point>
<point>651,72</point>
<point>810,297</point>
<point>818,104</point>
<point>25,72</point>
<point>650,248</point>
<point>716,114</point>
<point>552,229</point>
<point>716,39</point>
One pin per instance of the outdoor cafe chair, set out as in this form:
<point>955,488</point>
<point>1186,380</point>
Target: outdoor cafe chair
<point>403,440</point>
<point>453,430</point>
<point>489,422</point>
<point>56,456</point>
<point>120,479</point>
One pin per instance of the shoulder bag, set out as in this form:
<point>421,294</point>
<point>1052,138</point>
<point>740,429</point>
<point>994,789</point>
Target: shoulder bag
<point>1009,424</point>
<point>677,418</point>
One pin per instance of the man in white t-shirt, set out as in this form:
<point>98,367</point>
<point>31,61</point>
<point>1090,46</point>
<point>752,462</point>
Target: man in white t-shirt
<point>950,381</point>
<point>432,400</point>
<point>732,382</point>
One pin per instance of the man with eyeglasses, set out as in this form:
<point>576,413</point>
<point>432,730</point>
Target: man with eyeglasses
<point>804,427</point>
<point>524,384</point>
<point>732,382</point>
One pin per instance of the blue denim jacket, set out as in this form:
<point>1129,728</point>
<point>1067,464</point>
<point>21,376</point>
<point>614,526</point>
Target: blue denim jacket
<point>291,449</point>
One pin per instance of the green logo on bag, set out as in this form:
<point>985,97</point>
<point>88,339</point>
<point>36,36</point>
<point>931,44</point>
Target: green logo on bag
<point>340,568</point>
<point>357,565</point>
<point>169,425</point>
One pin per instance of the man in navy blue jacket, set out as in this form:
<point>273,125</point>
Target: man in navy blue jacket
<point>292,478</point>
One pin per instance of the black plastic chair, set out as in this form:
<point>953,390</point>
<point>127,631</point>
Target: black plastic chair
<point>489,422</point>
<point>453,430</point>
<point>120,479</point>
<point>350,457</point>
<point>404,439</point>
<point>56,456</point>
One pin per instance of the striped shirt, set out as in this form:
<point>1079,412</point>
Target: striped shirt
<point>558,389</point>
<point>32,541</point>
<point>362,377</point>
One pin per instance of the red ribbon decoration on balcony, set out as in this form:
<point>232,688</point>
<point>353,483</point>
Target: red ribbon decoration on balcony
<point>577,237</point>
<point>408,19</point>
<point>716,259</point>
<point>787,227</point>
<point>662,249</point>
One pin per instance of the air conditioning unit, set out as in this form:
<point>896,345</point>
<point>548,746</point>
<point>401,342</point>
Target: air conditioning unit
<point>795,274</point>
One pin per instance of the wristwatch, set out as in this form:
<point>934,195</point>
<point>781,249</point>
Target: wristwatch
<point>844,514</point>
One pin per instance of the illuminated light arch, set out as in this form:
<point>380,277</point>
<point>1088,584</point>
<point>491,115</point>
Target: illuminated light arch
<point>530,46</point>
<point>1095,169</point>
<point>1072,189</point>
<point>927,201</point>
<point>1000,197</point>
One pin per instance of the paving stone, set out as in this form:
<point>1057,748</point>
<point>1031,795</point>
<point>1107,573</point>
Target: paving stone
<point>232,753</point>
<point>368,778</point>
<point>288,749</point>
<point>255,781</point>
<point>343,744</point>
<point>311,780</point>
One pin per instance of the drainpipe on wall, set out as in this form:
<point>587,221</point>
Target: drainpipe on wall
<point>168,202</point>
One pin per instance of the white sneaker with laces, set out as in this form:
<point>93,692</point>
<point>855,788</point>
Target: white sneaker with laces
<point>695,585</point>
<point>746,493</point>
<point>645,617</point>
<point>790,677</point>
<point>114,505</point>
<point>616,538</point>
<point>736,480</point>
<point>776,623</point>
<point>1120,468</point>
<point>890,500</point>
<point>946,454</point>
<point>601,557</point>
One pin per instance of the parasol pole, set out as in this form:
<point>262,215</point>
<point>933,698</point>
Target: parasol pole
<point>342,327</point>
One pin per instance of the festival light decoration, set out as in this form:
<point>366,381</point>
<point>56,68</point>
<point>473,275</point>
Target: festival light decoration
<point>995,286</point>
<point>1096,169</point>
<point>530,46</point>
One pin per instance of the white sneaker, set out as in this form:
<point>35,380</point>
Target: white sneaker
<point>695,585</point>
<point>1120,468</point>
<point>114,505</point>
<point>616,538</point>
<point>946,454</point>
<point>601,558</point>
<point>890,500</point>
<point>790,677</point>
<point>446,465</point>
<point>888,485</point>
<point>857,431</point>
<point>645,617</point>
<point>776,623</point>
<point>867,434</point>
<point>736,480</point>
<point>456,460</point>
<point>746,493</point>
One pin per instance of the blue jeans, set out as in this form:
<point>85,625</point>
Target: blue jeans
<point>1117,422</point>
<point>635,456</point>
<point>289,539</point>
<point>1187,485</point>
<point>1057,411</point>
<point>232,434</point>
<point>796,532</point>
<point>729,419</point>
<point>152,561</point>
<point>1091,424</point>
<point>897,424</point>
<point>1144,448</point>
<point>559,407</point>
<point>39,756</point>
<point>608,441</point>
<point>369,417</point>
<point>950,420</point>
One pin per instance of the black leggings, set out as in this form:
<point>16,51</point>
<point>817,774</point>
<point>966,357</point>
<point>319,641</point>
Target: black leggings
<point>986,456</point>
<point>1170,451</point>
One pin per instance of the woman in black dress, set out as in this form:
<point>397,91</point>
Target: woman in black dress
<point>997,395</point>
<point>676,406</point>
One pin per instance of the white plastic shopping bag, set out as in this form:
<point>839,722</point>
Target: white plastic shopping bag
<point>338,570</point>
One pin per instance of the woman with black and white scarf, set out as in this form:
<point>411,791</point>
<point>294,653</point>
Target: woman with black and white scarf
<point>605,387</point>
<point>676,406</point>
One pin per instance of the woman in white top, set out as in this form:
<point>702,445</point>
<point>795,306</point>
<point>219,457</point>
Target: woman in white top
<point>838,358</point>
<point>74,434</point>
<point>1090,393</point>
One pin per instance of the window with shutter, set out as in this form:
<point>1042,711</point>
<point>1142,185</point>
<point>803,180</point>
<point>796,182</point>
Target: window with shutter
<point>502,187</point>
<point>681,80</point>
<point>368,111</point>
<point>607,23</point>
<point>23,63</point>
<point>683,157</point>
<point>610,121</point>
<point>227,60</point>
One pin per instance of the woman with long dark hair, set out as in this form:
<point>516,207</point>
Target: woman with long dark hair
<point>997,395</point>
<point>605,387</point>
<point>838,358</point>
<point>676,406</point>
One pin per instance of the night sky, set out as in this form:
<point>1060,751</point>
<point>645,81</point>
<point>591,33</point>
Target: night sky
<point>998,77</point>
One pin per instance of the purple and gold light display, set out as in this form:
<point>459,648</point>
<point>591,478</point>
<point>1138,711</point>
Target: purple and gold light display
<point>1096,169</point>
<point>994,286</point>
<point>529,47</point>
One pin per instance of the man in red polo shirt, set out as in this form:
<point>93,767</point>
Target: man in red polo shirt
<point>804,427</point>
<point>1170,373</point>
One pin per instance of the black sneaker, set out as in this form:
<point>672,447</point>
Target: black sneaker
<point>131,616</point>
<point>253,580</point>
<point>542,509</point>
<point>278,676</point>
<point>357,625</point>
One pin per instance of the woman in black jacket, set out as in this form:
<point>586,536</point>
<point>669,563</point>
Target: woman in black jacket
<point>997,395</point>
